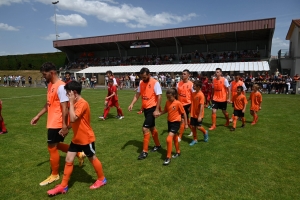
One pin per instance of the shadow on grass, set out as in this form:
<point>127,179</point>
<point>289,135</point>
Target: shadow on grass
<point>80,175</point>
<point>135,143</point>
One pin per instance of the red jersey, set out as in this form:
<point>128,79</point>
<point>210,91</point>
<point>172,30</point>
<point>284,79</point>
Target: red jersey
<point>110,90</point>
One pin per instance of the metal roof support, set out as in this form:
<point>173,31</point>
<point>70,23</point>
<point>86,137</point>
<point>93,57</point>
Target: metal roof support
<point>177,42</point>
<point>235,41</point>
<point>206,43</point>
<point>155,46</point>
<point>119,49</point>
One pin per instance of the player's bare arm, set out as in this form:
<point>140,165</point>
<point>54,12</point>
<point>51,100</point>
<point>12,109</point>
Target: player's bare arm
<point>135,98</point>
<point>37,117</point>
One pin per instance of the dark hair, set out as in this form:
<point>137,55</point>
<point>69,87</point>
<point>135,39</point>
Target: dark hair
<point>74,85</point>
<point>109,72</point>
<point>68,73</point>
<point>144,70</point>
<point>47,67</point>
<point>186,70</point>
<point>240,87</point>
<point>173,92</point>
<point>219,69</point>
<point>198,83</point>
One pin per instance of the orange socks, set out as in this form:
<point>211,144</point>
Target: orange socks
<point>202,129</point>
<point>181,130</point>
<point>176,143</point>
<point>98,168</point>
<point>146,142</point>
<point>234,122</point>
<point>214,119</point>
<point>169,146</point>
<point>227,117</point>
<point>54,159</point>
<point>67,173</point>
<point>155,137</point>
<point>63,147</point>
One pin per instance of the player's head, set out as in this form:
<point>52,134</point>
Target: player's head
<point>255,87</point>
<point>110,81</point>
<point>145,74</point>
<point>172,94</point>
<point>237,78</point>
<point>197,85</point>
<point>73,86</point>
<point>48,70</point>
<point>239,89</point>
<point>185,74</point>
<point>68,75</point>
<point>218,72</point>
<point>109,73</point>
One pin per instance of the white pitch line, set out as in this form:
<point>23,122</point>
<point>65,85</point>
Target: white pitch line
<point>24,96</point>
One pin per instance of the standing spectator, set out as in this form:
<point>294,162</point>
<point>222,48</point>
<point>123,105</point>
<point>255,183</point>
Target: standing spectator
<point>30,81</point>
<point>67,78</point>
<point>150,91</point>
<point>87,82</point>
<point>92,82</point>
<point>2,125</point>
<point>4,81</point>
<point>23,81</point>
<point>137,80</point>
<point>57,119</point>
<point>132,80</point>
<point>95,82</point>
<point>288,81</point>
<point>221,95</point>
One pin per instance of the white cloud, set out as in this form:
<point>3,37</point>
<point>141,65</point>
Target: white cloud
<point>110,11</point>
<point>34,9</point>
<point>278,44</point>
<point>69,20</point>
<point>9,2</point>
<point>62,36</point>
<point>6,27</point>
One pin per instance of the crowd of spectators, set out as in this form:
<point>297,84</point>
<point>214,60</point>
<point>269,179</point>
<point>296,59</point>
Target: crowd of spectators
<point>193,57</point>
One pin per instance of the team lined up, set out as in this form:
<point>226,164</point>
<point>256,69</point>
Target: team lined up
<point>67,109</point>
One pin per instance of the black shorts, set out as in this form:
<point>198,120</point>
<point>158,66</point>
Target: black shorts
<point>149,118</point>
<point>53,136</point>
<point>194,122</point>
<point>219,105</point>
<point>187,110</point>
<point>238,113</point>
<point>173,127</point>
<point>88,149</point>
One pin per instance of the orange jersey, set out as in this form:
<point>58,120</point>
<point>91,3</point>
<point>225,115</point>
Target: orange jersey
<point>234,86</point>
<point>256,99</point>
<point>239,101</point>
<point>197,100</point>
<point>175,110</point>
<point>220,89</point>
<point>147,91</point>
<point>83,132</point>
<point>54,119</point>
<point>185,92</point>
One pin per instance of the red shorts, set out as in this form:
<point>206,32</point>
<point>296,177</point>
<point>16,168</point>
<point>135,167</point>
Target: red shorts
<point>113,103</point>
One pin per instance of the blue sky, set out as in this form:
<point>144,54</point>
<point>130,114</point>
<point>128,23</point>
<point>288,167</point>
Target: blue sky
<point>27,26</point>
